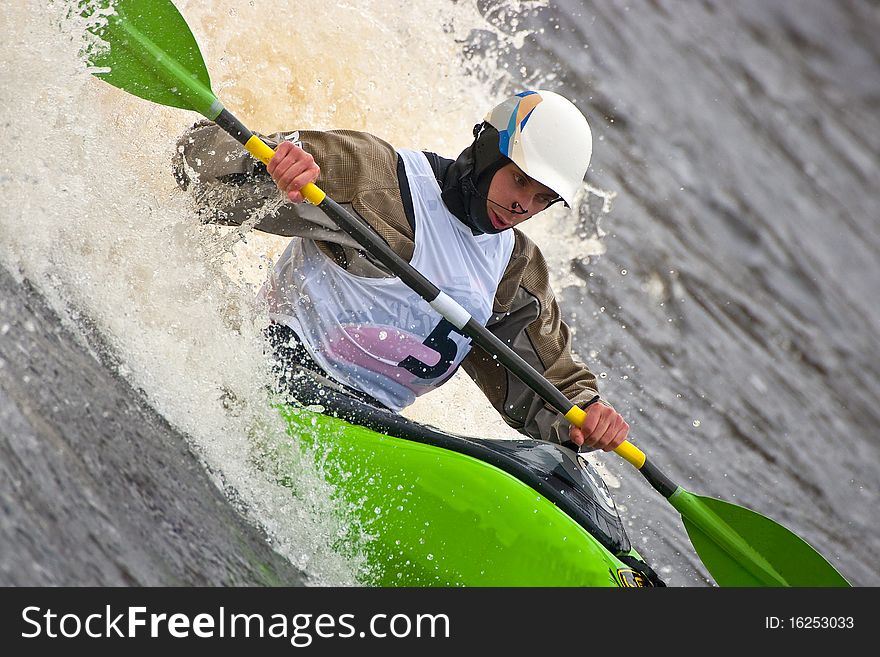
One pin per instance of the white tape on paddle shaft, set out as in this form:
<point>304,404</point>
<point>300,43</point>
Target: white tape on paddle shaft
<point>451,310</point>
<point>215,108</point>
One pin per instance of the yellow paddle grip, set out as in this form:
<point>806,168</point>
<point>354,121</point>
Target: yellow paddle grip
<point>263,152</point>
<point>259,149</point>
<point>626,449</point>
<point>632,454</point>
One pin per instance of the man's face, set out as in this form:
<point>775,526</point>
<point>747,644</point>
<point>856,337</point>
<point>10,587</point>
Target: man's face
<point>514,197</point>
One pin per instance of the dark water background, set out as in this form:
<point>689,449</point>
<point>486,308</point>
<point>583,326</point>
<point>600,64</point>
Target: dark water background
<point>734,314</point>
<point>743,140</point>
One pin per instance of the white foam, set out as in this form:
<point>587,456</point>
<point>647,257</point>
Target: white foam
<point>91,215</point>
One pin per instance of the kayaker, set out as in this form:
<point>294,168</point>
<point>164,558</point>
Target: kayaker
<point>339,313</point>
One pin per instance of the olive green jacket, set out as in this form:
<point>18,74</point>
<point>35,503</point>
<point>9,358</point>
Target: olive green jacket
<point>362,173</point>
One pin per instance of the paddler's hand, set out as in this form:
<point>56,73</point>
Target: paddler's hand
<point>604,428</point>
<point>292,169</point>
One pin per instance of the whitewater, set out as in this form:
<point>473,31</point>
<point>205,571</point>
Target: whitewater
<point>719,273</point>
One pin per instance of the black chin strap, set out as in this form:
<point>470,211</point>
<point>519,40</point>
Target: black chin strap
<point>472,189</point>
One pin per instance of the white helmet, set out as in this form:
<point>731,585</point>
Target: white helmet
<point>547,137</point>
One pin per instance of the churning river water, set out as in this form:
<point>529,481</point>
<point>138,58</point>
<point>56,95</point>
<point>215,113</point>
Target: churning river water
<point>720,272</point>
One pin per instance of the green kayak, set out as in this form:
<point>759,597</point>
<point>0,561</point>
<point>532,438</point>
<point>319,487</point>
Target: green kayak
<point>434,509</point>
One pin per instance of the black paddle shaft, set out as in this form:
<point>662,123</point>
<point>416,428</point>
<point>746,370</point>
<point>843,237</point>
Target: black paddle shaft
<point>379,249</point>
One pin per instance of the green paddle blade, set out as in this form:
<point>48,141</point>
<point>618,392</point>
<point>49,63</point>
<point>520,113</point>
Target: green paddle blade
<point>152,54</point>
<point>742,548</point>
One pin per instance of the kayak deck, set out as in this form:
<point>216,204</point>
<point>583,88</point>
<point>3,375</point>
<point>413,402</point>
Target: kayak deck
<point>426,508</point>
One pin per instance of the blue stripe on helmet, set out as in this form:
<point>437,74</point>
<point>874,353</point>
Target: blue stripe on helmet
<point>504,144</point>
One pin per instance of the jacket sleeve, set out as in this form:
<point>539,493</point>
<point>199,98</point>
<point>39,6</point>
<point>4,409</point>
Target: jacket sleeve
<point>526,317</point>
<point>231,188</point>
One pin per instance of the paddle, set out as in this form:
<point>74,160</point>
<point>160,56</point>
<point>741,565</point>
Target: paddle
<point>154,55</point>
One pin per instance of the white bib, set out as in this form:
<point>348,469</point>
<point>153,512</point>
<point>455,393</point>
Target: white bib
<point>375,334</point>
